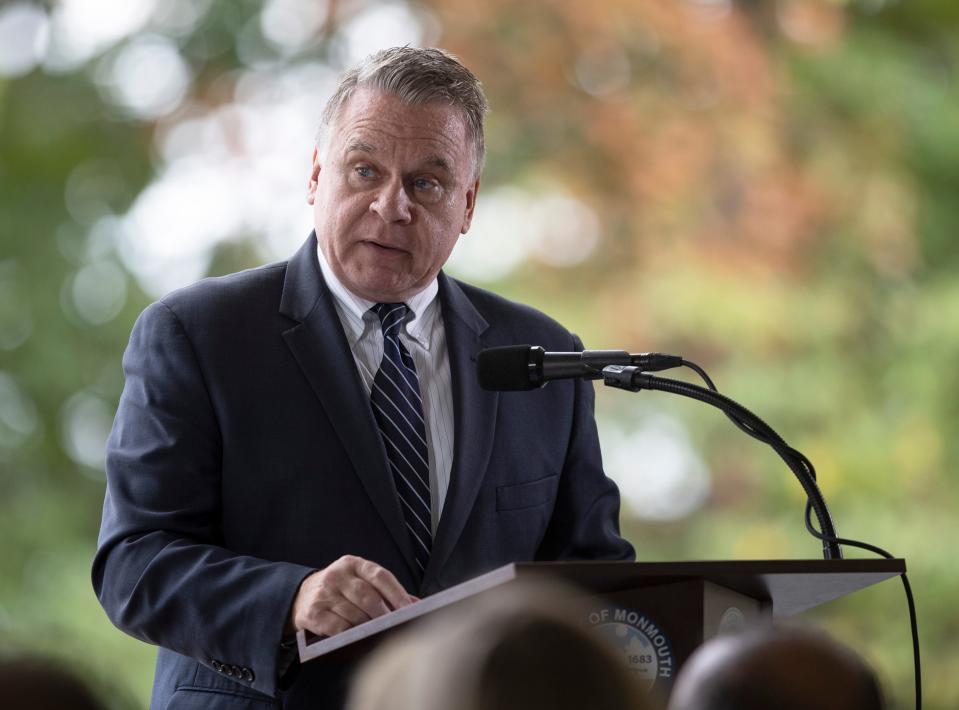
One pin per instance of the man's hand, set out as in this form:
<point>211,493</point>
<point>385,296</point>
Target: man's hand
<point>344,594</point>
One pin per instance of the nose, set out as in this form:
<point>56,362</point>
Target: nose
<point>393,204</point>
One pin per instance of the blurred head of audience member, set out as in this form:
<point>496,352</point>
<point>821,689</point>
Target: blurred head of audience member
<point>778,667</point>
<point>42,684</point>
<point>522,647</point>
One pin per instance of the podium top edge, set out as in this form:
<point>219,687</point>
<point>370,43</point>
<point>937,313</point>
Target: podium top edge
<point>699,567</point>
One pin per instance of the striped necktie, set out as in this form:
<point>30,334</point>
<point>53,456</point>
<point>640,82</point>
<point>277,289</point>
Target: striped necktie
<point>398,409</point>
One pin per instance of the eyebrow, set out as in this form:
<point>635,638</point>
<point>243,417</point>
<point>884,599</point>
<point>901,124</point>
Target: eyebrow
<point>438,161</point>
<point>360,146</point>
<point>435,160</point>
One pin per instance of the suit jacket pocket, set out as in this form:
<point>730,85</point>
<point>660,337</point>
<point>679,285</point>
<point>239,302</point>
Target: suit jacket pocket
<point>526,495</point>
<point>192,697</point>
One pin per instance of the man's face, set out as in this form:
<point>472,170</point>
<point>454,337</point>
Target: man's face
<point>392,193</point>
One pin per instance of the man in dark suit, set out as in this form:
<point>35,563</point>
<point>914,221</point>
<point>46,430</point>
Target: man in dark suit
<point>305,445</point>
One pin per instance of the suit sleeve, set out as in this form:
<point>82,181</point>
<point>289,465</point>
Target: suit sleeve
<point>585,521</point>
<point>160,571</point>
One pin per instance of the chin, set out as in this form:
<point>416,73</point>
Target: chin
<point>383,288</point>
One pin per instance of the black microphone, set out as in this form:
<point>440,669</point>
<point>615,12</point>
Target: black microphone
<point>515,368</point>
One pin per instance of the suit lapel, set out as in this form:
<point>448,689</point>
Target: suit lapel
<point>320,348</point>
<point>474,414</point>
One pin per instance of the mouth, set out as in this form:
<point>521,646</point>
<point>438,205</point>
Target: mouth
<point>383,248</point>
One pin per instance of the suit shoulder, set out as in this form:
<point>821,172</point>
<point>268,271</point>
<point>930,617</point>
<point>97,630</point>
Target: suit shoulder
<point>515,322</point>
<point>249,290</point>
<point>489,302</point>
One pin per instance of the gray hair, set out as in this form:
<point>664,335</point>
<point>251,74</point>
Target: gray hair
<point>417,76</point>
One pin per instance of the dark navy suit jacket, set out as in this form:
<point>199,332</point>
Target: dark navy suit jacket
<point>245,455</point>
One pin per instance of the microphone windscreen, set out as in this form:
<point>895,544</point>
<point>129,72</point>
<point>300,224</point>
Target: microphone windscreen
<point>505,368</point>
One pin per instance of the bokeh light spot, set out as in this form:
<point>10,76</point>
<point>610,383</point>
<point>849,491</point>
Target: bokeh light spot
<point>99,292</point>
<point>660,475</point>
<point>147,78</point>
<point>81,29</point>
<point>85,422</point>
<point>24,37</point>
<point>18,414</point>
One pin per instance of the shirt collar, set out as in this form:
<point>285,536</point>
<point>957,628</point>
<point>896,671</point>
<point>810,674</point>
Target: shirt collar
<point>418,326</point>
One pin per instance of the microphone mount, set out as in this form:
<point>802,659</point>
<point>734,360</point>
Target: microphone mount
<point>589,364</point>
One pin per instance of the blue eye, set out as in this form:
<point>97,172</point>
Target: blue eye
<point>423,184</point>
<point>364,171</point>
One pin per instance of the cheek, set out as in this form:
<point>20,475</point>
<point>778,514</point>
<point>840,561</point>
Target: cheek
<point>439,248</point>
<point>338,212</point>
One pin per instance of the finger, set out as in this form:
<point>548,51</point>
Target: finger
<point>349,611</point>
<point>365,596</point>
<point>384,582</point>
<point>327,623</point>
<point>323,592</point>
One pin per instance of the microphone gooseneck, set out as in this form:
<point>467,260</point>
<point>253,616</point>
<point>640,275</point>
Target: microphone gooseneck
<point>633,379</point>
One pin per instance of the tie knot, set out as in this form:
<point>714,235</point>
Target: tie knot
<point>391,315</point>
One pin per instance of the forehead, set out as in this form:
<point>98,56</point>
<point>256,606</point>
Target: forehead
<point>384,121</point>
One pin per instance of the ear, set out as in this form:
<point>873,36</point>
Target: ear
<point>470,206</point>
<point>314,177</point>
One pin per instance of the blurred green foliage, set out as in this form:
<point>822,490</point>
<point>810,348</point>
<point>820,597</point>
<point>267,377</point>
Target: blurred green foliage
<point>773,184</point>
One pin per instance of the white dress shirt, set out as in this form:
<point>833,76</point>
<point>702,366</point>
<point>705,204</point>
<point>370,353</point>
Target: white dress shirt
<point>424,336</point>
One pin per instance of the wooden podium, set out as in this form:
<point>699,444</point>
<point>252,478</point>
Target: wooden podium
<point>665,608</point>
